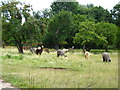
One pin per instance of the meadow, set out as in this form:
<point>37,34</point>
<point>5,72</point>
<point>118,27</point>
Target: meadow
<point>49,71</point>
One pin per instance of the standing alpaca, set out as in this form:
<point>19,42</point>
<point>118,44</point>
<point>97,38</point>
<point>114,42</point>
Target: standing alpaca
<point>39,50</point>
<point>61,53</point>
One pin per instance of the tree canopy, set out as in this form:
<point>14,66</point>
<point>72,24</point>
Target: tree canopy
<point>115,14</point>
<point>14,30</point>
<point>109,31</point>
<point>60,26</point>
<point>68,6</point>
<point>63,25</point>
<point>87,36</point>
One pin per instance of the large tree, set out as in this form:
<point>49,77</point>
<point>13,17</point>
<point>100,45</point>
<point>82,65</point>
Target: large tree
<point>109,31</point>
<point>14,30</point>
<point>60,27</point>
<point>87,37</point>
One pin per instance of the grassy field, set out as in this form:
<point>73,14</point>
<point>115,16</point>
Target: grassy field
<point>48,71</point>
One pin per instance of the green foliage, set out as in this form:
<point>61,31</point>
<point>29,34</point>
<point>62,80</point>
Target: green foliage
<point>35,30</point>
<point>60,26</point>
<point>17,32</point>
<point>90,5</point>
<point>80,18</point>
<point>118,38</point>
<point>108,30</point>
<point>12,21</point>
<point>115,15</point>
<point>87,35</point>
<point>67,6</point>
<point>83,10</point>
<point>100,14</point>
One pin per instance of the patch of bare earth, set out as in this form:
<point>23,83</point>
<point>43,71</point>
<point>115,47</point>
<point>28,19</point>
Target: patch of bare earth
<point>51,68</point>
<point>4,85</point>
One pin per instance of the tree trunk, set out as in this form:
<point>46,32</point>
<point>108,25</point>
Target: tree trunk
<point>3,44</point>
<point>56,46</point>
<point>88,49</point>
<point>106,49</point>
<point>84,48</point>
<point>20,48</point>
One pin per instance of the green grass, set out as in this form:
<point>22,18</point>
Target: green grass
<point>48,71</point>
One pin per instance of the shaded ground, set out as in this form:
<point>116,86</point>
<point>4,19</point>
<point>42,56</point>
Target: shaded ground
<point>53,68</point>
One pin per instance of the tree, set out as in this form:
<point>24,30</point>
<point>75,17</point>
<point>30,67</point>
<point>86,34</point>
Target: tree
<point>83,10</point>
<point>11,21</point>
<point>67,6</point>
<point>75,29</point>
<point>118,38</point>
<point>109,31</point>
<point>13,29</point>
<point>44,17</point>
<point>87,37</point>
<point>90,5</point>
<point>35,30</point>
<point>115,15</point>
<point>59,27</point>
<point>100,14</point>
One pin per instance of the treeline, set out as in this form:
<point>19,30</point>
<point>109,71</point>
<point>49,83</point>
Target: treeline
<point>64,25</point>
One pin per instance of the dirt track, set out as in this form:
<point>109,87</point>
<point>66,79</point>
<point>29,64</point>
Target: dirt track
<point>5,85</point>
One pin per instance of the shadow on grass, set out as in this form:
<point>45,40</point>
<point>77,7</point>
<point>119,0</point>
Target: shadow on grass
<point>53,68</point>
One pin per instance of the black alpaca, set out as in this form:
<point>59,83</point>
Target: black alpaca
<point>39,50</point>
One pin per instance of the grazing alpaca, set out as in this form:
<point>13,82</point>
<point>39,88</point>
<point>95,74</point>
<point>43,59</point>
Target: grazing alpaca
<point>61,53</point>
<point>46,50</point>
<point>106,57</point>
<point>39,50</point>
<point>66,50</point>
<point>87,54</point>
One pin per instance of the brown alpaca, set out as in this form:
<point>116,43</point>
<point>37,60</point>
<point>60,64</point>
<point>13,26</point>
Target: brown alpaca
<point>46,50</point>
